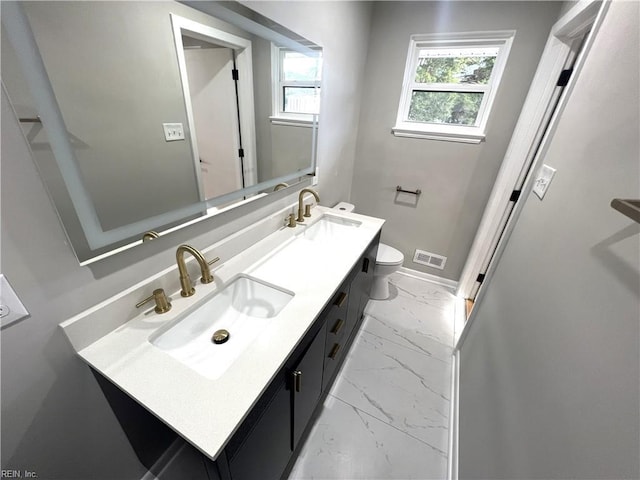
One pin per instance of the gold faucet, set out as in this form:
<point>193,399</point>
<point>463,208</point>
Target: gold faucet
<point>185,280</point>
<point>280,186</point>
<point>300,218</point>
<point>150,235</point>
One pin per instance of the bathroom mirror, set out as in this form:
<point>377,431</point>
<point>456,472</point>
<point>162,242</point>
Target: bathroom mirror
<point>146,116</point>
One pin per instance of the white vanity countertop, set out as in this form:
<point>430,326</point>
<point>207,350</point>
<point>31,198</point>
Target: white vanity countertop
<point>207,412</point>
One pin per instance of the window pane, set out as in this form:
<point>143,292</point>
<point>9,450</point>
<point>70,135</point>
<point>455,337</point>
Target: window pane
<point>299,67</point>
<point>463,65</point>
<point>454,108</point>
<point>301,99</point>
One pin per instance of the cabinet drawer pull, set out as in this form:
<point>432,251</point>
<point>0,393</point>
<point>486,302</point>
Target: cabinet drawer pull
<point>297,380</point>
<point>337,327</point>
<point>365,265</point>
<point>340,301</point>
<point>334,351</point>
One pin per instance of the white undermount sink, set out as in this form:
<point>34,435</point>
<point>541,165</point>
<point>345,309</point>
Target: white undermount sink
<point>330,227</point>
<point>245,308</point>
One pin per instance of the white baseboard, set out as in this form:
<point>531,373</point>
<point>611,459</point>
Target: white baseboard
<point>452,457</point>
<point>445,282</point>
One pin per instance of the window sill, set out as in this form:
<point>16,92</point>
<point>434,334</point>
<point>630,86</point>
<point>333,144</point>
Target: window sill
<point>447,134</point>
<point>292,122</point>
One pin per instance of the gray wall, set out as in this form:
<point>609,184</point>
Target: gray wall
<point>282,149</point>
<point>549,372</point>
<point>332,25</point>
<point>455,178</point>
<point>55,419</point>
<point>114,70</point>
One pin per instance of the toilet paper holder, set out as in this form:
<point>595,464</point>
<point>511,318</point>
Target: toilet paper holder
<point>417,191</point>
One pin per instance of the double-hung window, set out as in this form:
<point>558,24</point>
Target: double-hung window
<point>450,84</point>
<point>296,96</point>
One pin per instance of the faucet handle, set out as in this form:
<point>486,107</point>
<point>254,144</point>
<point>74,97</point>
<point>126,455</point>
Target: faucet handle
<point>162,302</point>
<point>307,210</point>
<point>207,277</point>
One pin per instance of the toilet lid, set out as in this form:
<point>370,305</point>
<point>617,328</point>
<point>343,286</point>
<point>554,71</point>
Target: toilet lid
<point>388,255</point>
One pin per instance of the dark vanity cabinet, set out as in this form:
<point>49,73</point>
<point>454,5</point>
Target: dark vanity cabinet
<point>263,446</point>
<point>307,387</point>
<point>345,317</point>
<point>266,444</point>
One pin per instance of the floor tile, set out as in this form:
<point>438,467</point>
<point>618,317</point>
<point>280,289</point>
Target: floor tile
<point>409,336</point>
<point>346,443</point>
<point>418,314</point>
<point>386,417</point>
<point>398,386</point>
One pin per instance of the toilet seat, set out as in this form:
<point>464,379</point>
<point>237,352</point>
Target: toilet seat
<point>388,255</point>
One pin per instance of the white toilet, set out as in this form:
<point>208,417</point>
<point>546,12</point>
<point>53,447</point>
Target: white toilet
<point>388,260</point>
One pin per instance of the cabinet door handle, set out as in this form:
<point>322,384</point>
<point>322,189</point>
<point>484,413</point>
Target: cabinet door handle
<point>297,380</point>
<point>340,301</point>
<point>365,265</point>
<point>338,325</point>
<point>334,351</point>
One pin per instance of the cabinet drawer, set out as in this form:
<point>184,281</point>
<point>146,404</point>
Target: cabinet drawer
<point>337,329</point>
<point>340,301</point>
<point>332,359</point>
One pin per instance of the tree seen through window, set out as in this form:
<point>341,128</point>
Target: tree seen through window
<point>449,106</point>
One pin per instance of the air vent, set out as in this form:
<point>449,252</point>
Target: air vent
<point>429,259</point>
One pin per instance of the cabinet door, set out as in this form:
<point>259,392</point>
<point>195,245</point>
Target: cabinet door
<point>307,385</point>
<point>266,450</point>
<point>361,285</point>
<point>366,276</point>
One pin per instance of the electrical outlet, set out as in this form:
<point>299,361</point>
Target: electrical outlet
<point>11,308</point>
<point>543,180</point>
<point>314,181</point>
<point>173,131</point>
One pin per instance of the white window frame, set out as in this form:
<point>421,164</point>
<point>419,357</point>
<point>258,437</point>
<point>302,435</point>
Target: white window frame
<point>279,116</point>
<point>457,133</point>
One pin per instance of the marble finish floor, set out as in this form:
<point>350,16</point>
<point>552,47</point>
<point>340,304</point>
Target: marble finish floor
<point>387,415</point>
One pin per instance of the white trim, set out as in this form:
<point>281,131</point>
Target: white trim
<point>586,13</point>
<point>293,122</point>
<point>453,134</point>
<point>242,48</point>
<point>464,133</point>
<point>583,15</point>
<point>460,315</point>
<point>277,84</point>
<point>454,418</point>
<point>445,282</point>
<point>526,135</point>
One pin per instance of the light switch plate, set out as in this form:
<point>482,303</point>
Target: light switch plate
<point>545,175</point>
<point>11,308</point>
<point>173,131</point>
